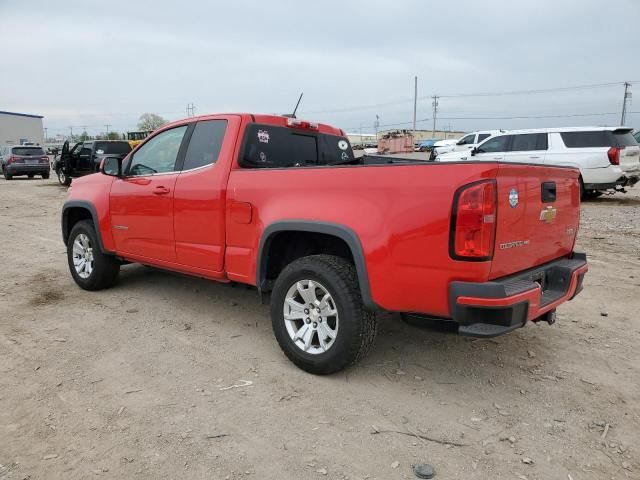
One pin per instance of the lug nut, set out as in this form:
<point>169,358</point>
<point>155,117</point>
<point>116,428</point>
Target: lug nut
<point>320,319</point>
<point>306,311</point>
<point>307,320</point>
<point>317,310</point>
<point>315,324</point>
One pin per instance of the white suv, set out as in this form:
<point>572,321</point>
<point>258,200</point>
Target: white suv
<point>608,157</point>
<point>467,142</point>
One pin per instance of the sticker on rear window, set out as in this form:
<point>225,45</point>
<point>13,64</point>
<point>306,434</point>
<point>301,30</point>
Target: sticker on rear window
<point>343,145</point>
<point>345,156</point>
<point>99,152</point>
<point>263,157</point>
<point>263,136</point>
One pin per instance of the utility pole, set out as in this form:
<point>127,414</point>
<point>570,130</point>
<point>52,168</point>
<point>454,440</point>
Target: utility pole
<point>435,113</point>
<point>415,101</point>
<point>71,128</point>
<point>191,109</point>
<point>45,135</point>
<point>107,127</point>
<point>377,126</point>
<point>627,95</point>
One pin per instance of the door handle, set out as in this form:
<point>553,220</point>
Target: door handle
<point>160,190</point>
<point>534,156</point>
<point>497,158</point>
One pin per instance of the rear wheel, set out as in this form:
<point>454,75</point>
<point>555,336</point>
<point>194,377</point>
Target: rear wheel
<point>7,175</point>
<point>63,178</point>
<point>45,176</point>
<point>31,175</point>
<point>90,268</point>
<point>318,317</point>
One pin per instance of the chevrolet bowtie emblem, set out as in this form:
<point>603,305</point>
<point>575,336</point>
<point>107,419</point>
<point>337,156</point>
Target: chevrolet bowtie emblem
<point>548,215</point>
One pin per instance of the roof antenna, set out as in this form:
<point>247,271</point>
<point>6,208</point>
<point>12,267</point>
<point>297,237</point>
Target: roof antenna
<point>293,115</point>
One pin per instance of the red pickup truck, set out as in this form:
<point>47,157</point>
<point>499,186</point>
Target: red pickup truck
<point>283,204</point>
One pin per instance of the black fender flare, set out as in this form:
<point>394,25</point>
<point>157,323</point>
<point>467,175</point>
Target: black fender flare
<point>340,231</point>
<point>94,216</point>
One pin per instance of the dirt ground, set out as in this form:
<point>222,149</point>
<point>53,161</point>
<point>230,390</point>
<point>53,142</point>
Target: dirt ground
<point>166,376</point>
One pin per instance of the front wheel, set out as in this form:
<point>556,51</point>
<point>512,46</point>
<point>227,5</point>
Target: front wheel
<point>63,178</point>
<point>318,317</point>
<point>90,268</point>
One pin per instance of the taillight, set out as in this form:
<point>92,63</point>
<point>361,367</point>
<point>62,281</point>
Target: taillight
<point>44,159</point>
<point>302,124</point>
<point>473,222</point>
<point>614,155</point>
<point>14,159</point>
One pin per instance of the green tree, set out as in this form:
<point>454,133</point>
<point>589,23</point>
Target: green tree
<point>150,121</point>
<point>113,136</point>
<point>83,136</point>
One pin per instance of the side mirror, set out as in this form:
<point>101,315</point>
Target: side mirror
<point>474,150</point>
<point>111,166</point>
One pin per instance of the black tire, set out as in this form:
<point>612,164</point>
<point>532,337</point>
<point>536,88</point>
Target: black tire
<point>7,176</point>
<point>45,176</point>
<point>30,175</point>
<point>63,178</point>
<point>105,267</point>
<point>357,325</point>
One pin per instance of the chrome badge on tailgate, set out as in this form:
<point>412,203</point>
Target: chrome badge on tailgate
<point>548,215</point>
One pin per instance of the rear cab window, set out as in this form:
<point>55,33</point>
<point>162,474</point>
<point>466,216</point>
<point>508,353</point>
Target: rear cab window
<point>269,146</point>
<point>27,151</point>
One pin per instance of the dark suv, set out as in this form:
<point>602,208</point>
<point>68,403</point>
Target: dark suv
<point>85,157</point>
<point>27,160</point>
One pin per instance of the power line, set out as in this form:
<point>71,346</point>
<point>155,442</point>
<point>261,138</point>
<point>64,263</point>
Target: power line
<point>477,94</point>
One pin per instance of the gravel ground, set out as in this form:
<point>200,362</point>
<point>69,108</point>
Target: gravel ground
<point>166,376</point>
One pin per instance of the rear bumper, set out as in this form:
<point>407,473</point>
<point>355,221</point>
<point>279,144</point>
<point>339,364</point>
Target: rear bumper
<point>493,308</point>
<point>24,169</point>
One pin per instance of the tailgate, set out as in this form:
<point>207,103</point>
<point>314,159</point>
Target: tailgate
<point>537,216</point>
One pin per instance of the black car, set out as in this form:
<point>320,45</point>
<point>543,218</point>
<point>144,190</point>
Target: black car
<point>27,160</point>
<point>85,157</point>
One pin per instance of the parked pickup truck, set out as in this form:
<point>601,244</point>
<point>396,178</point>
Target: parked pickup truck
<point>283,205</point>
<point>85,158</point>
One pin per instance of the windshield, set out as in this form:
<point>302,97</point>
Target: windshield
<point>27,151</point>
<point>112,147</point>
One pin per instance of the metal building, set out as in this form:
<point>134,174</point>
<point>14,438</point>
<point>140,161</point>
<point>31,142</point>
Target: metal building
<point>19,128</point>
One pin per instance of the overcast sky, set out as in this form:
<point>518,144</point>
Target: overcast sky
<point>90,63</point>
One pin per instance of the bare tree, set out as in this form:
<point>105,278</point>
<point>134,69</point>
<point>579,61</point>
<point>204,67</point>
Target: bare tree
<point>150,121</point>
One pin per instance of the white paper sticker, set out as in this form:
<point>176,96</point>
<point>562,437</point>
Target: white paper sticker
<point>263,136</point>
<point>99,152</point>
<point>343,145</point>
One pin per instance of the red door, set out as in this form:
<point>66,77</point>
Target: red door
<point>199,220</point>
<point>142,202</point>
<point>142,216</point>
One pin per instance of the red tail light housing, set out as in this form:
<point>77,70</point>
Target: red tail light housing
<point>14,159</point>
<point>44,159</point>
<point>473,222</point>
<point>614,155</point>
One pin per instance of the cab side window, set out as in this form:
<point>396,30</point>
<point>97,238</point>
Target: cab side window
<point>496,144</point>
<point>205,144</point>
<point>529,142</point>
<point>159,154</point>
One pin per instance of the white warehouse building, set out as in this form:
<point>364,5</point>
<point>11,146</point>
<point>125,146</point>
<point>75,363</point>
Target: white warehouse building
<point>19,128</point>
